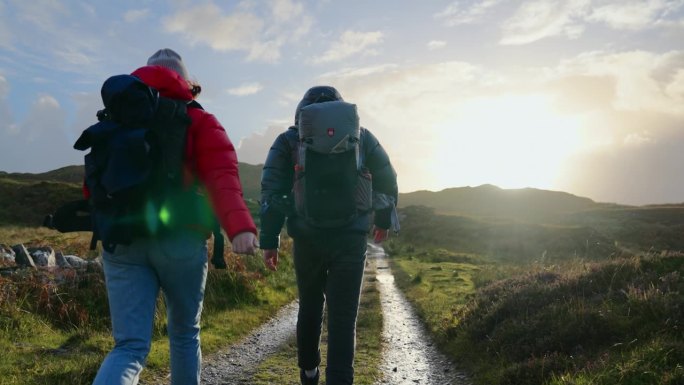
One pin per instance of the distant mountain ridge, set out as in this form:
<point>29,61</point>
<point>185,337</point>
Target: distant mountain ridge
<point>68,174</point>
<point>486,201</point>
<point>250,176</point>
<point>491,201</point>
<point>25,198</point>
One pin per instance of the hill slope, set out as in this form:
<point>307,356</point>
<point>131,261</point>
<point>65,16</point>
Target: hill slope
<point>26,198</point>
<point>493,202</point>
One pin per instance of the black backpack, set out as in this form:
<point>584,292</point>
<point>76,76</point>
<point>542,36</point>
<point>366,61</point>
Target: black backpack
<point>331,187</point>
<point>134,169</point>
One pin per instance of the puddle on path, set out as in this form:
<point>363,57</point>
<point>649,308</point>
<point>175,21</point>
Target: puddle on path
<point>410,356</point>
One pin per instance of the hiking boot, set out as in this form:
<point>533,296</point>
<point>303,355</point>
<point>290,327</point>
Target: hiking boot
<point>309,381</point>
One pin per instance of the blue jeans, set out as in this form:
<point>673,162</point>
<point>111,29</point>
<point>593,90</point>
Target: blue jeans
<point>329,270</point>
<point>176,264</point>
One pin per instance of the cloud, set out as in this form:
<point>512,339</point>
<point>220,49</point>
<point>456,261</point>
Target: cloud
<point>535,20</point>
<point>246,89</point>
<point>254,148</point>
<point>41,141</point>
<point>540,19</point>
<point>258,29</point>
<point>351,43</point>
<point>407,108</point>
<point>208,25</point>
<point>52,35</point>
<point>634,14</point>
<point>642,170</point>
<point>643,81</point>
<point>436,44</point>
<point>632,126</point>
<point>456,14</point>
<point>561,124</point>
<point>136,15</point>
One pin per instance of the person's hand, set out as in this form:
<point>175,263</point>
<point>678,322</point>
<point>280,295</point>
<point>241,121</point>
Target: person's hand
<point>380,235</point>
<point>271,259</point>
<point>245,243</point>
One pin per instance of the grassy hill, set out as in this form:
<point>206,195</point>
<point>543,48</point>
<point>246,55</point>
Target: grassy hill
<point>68,174</point>
<point>493,202</point>
<point>26,198</point>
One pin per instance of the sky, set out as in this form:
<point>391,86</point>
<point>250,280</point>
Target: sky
<point>583,96</point>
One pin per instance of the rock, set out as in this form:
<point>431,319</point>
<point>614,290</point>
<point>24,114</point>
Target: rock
<point>61,261</point>
<point>43,256</point>
<point>6,254</point>
<point>23,258</point>
<point>76,262</point>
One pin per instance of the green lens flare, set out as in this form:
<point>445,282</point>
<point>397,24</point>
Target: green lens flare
<point>164,215</point>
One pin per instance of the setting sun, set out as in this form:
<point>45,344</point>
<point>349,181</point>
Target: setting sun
<point>511,141</point>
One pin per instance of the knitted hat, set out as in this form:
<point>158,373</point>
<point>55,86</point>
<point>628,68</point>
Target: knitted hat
<point>168,58</point>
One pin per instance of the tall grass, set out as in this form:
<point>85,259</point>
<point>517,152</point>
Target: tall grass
<point>55,325</point>
<point>610,322</point>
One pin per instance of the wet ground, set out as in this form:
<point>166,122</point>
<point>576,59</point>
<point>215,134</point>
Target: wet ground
<point>410,356</point>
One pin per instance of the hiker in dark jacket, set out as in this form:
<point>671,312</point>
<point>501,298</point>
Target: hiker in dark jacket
<point>175,262</point>
<point>329,262</point>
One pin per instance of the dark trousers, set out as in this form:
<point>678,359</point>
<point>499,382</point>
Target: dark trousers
<point>329,270</point>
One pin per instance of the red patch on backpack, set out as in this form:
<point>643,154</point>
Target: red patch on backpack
<point>331,132</point>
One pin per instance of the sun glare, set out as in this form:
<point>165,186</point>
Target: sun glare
<point>511,141</point>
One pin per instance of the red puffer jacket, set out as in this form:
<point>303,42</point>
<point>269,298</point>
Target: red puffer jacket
<point>209,154</point>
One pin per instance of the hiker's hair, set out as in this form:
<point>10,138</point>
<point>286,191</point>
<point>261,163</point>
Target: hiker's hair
<point>195,88</point>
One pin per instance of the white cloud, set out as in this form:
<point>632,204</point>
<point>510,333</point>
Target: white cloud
<point>286,10</point>
<point>404,106</point>
<point>42,140</point>
<point>457,14</point>
<point>52,35</point>
<point>254,148</point>
<point>638,138</point>
<point>135,15</point>
<point>246,28</point>
<point>539,19</point>
<point>206,24</point>
<point>436,44</point>
<point>246,89</point>
<point>351,43</point>
<point>644,81</point>
<point>634,14</point>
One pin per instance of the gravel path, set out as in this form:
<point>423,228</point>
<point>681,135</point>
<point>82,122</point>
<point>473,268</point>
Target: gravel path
<point>236,365</point>
<point>410,356</point>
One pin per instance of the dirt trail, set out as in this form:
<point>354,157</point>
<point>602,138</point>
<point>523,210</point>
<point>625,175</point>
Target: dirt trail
<point>237,364</point>
<point>410,356</point>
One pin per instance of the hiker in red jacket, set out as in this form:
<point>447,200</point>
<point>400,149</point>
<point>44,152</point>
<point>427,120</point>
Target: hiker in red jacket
<point>175,262</point>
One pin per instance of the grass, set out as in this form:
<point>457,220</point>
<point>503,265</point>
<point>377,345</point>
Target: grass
<point>54,326</point>
<point>608,322</point>
<point>281,368</point>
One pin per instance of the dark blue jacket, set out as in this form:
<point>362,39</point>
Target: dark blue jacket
<point>277,180</point>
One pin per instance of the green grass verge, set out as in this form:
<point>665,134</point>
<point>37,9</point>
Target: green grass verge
<point>54,326</point>
<point>611,322</point>
<point>281,368</point>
